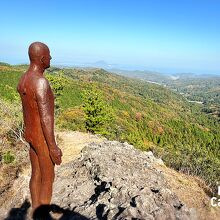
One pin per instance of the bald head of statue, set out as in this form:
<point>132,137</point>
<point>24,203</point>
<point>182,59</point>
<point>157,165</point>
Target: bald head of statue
<point>39,54</point>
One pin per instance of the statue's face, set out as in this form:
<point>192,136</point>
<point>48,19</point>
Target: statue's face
<point>46,59</point>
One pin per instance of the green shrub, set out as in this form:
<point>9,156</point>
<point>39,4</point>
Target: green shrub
<point>8,157</point>
<point>72,119</point>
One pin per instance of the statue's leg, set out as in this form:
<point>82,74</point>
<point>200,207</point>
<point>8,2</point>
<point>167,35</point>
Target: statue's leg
<point>47,173</point>
<point>35,181</point>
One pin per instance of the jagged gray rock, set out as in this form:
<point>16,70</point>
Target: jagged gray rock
<point>113,180</point>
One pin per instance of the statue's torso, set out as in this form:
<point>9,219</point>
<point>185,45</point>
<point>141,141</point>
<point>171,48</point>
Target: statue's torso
<point>27,89</point>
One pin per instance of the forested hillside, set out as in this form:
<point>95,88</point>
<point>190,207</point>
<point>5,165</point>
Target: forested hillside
<point>149,116</point>
<point>203,89</point>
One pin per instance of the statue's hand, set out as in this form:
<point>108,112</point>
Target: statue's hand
<point>56,154</point>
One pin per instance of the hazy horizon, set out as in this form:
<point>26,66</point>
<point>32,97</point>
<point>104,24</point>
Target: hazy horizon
<point>122,67</point>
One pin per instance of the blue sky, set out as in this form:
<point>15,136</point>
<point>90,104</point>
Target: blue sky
<point>165,35</point>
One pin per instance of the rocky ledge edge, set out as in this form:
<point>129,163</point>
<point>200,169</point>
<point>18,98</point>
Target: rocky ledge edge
<point>113,180</point>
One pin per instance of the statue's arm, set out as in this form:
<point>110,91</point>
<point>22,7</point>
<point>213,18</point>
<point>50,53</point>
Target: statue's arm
<point>45,103</point>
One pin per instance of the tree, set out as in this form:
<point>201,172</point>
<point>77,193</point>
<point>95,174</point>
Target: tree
<point>98,114</point>
<point>58,82</point>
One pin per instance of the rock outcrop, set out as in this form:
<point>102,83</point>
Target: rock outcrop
<point>111,180</point>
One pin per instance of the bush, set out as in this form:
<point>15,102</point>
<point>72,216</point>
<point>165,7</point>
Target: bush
<point>11,120</point>
<point>72,119</point>
<point>8,157</point>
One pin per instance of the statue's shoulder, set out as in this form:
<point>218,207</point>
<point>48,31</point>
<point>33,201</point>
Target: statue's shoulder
<point>41,83</point>
<point>41,80</point>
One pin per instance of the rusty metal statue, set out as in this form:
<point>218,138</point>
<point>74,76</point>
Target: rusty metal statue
<point>38,113</point>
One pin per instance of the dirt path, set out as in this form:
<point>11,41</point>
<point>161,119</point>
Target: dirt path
<point>72,143</point>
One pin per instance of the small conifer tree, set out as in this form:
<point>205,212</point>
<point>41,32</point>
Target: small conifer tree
<point>97,112</point>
